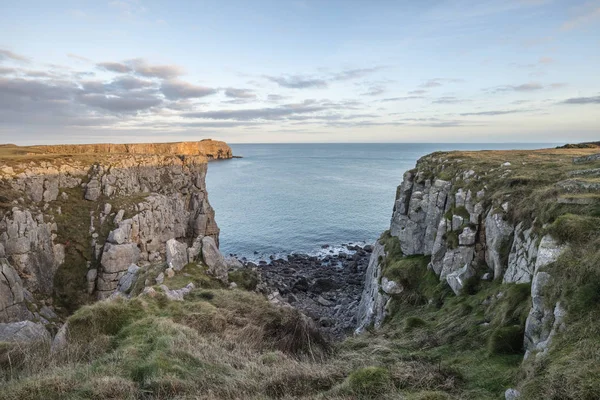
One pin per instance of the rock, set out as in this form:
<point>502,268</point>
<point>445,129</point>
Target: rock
<point>544,319</point>
<point>523,253</point>
<point>149,291</point>
<point>233,263</point>
<point>126,282</point>
<point>116,259</point>
<point>61,340</point>
<point>48,313</point>
<point>456,259</point>
<point>371,309</point>
<point>195,250</point>
<point>512,394</point>
<point>160,278</point>
<point>177,254</point>
<point>321,285</point>
<point>390,287</point>
<point>91,276</point>
<point>498,235</point>
<point>170,272</point>
<point>12,304</point>
<point>322,301</point>
<point>214,259</point>
<point>177,295</point>
<point>232,285</point>
<point>119,217</point>
<point>467,237</point>
<point>417,213</point>
<point>457,279</point>
<point>368,248</point>
<point>23,331</point>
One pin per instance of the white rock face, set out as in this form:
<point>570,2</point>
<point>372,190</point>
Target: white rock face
<point>521,260</point>
<point>417,212</point>
<point>371,309</point>
<point>543,320</point>
<point>497,233</point>
<point>177,254</point>
<point>163,196</point>
<point>214,259</point>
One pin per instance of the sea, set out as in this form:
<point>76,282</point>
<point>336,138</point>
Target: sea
<point>313,199</point>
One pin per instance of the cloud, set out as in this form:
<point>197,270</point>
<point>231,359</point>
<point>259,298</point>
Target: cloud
<point>240,93</point>
<point>77,57</point>
<point>354,73</point>
<point>114,67</point>
<point>9,55</point>
<point>176,89</point>
<point>297,82</point>
<point>305,82</point>
<point>546,60</point>
<point>276,97</point>
<point>436,82</point>
<point>493,113</point>
<point>121,104</point>
<point>405,98</point>
<point>417,92</point>
<point>585,14</point>
<point>131,83</point>
<point>7,71</point>
<point>447,100</point>
<point>271,113</point>
<point>374,91</point>
<point>143,68</point>
<point>583,100</point>
<point>524,87</point>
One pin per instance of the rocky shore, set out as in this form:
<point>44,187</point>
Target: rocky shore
<point>326,288</point>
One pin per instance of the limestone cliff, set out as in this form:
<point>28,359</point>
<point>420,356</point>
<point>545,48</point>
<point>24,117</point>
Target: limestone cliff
<point>486,215</point>
<point>77,222</point>
<point>209,148</point>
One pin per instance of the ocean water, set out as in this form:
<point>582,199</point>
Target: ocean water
<point>294,198</point>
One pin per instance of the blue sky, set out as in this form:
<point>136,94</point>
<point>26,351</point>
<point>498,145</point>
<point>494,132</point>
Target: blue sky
<point>300,71</point>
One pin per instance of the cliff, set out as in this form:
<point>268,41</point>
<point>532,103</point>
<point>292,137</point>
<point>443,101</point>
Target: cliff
<point>79,222</point>
<point>489,225</point>
<point>209,148</point>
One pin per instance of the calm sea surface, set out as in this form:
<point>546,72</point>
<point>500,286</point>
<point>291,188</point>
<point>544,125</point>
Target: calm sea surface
<point>284,198</point>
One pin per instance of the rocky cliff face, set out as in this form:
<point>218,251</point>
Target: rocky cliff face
<point>76,227</point>
<point>467,212</point>
<point>212,149</point>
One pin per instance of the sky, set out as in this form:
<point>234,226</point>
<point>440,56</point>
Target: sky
<point>79,71</point>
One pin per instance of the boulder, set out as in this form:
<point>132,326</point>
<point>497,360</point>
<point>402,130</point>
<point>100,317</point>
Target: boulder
<point>24,331</point>
<point>214,259</point>
<point>126,282</point>
<point>390,287</point>
<point>177,254</point>
<point>457,279</point>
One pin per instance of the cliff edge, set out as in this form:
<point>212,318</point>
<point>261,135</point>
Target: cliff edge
<point>80,222</point>
<point>496,249</point>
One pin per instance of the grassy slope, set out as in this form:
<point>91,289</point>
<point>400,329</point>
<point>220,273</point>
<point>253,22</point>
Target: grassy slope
<point>233,344</point>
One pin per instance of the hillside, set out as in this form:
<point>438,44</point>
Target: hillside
<point>486,286</point>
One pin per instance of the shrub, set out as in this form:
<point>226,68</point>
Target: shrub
<point>506,340</point>
<point>370,382</point>
<point>244,278</point>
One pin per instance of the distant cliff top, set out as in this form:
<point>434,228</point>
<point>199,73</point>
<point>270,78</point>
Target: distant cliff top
<point>211,149</point>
